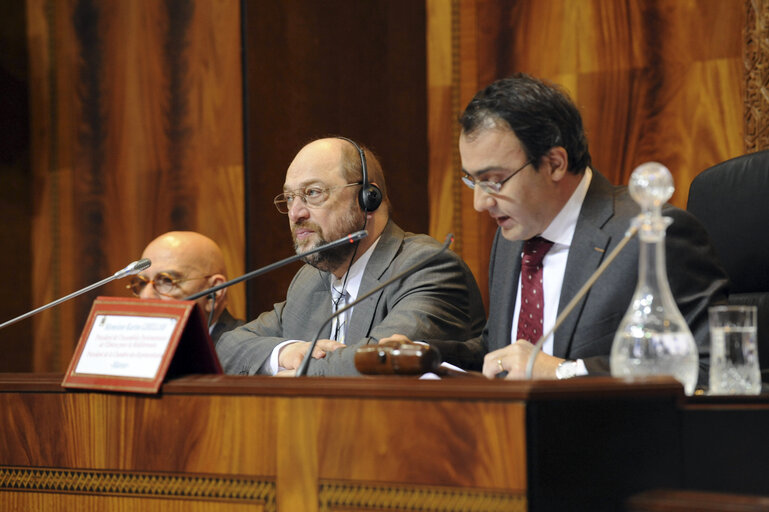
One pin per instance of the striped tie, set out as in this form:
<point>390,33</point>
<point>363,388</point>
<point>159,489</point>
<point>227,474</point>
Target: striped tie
<point>339,325</point>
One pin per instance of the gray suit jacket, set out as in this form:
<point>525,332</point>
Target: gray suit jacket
<point>225,323</point>
<point>438,301</point>
<point>696,278</point>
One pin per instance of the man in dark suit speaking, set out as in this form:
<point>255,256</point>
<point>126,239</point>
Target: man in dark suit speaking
<point>525,155</point>
<point>325,198</point>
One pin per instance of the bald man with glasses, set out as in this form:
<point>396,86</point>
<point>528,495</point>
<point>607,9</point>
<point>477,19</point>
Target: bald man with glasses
<point>183,263</point>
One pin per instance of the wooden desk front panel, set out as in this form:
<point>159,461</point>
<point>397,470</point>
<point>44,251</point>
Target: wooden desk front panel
<point>280,452</point>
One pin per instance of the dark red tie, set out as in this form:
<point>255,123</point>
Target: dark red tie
<point>530,318</point>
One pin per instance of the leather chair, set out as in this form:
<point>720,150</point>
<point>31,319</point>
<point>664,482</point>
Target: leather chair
<point>732,200</point>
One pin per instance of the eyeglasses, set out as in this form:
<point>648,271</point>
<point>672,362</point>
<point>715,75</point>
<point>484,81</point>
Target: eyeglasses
<point>312,197</point>
<point>491,187</point>
<point>163,282</point>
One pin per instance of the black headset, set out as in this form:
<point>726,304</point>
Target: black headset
<point>369,197</point>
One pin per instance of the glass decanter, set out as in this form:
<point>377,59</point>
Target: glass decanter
<point>653,337</point>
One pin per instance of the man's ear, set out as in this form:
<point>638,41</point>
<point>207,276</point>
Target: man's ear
<point>557,162</point>
<point>216,280</point>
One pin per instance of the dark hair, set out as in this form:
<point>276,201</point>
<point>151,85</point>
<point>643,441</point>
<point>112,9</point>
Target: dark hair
<point>540,114</point>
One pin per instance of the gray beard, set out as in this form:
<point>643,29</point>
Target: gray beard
<point>331,259</point>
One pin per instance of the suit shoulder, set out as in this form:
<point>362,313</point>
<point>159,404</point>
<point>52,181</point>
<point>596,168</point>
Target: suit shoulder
<point>306,275</point>
<point>417,246</point>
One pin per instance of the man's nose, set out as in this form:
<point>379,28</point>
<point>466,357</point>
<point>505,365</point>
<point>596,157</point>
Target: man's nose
<point>298,210</point>
<point>482,200</point>
<point>148,292</point>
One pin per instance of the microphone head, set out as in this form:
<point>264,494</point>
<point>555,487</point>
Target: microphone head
<point>138,266</point>
<point>134,268</point>
<point>358,235</point>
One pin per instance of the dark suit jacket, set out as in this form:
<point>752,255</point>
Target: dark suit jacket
<point>696,278</point>
<point>440,300</point>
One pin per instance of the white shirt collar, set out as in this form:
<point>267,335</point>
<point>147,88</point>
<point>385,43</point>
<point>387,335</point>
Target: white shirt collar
<point>561,229</point>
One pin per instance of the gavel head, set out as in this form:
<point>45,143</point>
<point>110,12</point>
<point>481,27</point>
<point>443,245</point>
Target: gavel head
<point>397,358</point>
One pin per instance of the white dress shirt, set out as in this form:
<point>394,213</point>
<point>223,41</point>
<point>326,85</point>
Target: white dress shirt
<point>560,232</point>
<point>354,278</point>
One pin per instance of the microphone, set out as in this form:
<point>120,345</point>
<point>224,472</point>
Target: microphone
<point>302,370</point>
<point>629,234</point>
<point>348,239</point>
<point>133,268</point>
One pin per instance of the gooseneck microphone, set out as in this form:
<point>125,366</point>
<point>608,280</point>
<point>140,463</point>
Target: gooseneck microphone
<point>629,234</point>
<point>348,239</point>
<point>132,269</point>
<point>302,370</point>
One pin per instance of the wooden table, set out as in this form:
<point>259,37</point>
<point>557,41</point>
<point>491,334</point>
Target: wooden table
<point>215,443</point>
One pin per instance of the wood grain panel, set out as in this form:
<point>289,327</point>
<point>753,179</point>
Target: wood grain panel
<point>654,81</point>
<point>472,456</point>
<point>214,446</point>
<point>297,449</point>
<point>15,186</point>
<point>441,125</point>
<point>137,130</point>
<point>338,67</point>
<point>305,444</point>
<point>105,431</point>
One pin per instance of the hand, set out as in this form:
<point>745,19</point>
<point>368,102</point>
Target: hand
<point>290,356</point>
<point>395,339</point>
<point>514,358</point>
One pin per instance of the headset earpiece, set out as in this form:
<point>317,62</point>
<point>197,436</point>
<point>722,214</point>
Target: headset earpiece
<point>370,196</point>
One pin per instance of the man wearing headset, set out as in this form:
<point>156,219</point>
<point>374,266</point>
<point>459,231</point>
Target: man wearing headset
<point>333,187</point>
<point>184,263</point>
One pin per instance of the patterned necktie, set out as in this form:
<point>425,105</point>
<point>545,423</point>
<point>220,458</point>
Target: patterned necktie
<point>339,325</point>
<point>530,317</point>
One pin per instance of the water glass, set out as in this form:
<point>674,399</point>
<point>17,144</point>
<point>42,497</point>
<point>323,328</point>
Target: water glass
<point>734,366</point>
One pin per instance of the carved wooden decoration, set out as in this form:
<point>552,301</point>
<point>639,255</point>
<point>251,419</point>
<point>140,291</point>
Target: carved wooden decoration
<point>756,59</point>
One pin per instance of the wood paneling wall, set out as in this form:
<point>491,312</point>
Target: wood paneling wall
<point>655,80</point>
<point>137,126</point>
<point>336,67</point>
<point>136,114</point>
<point>15,188</point>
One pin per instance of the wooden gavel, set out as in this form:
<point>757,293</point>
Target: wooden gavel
<point>397,358</point>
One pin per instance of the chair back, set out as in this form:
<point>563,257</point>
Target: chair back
<point>731,199</point>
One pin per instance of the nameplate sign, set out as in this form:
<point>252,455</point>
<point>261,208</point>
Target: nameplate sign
<point>133,345</point>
